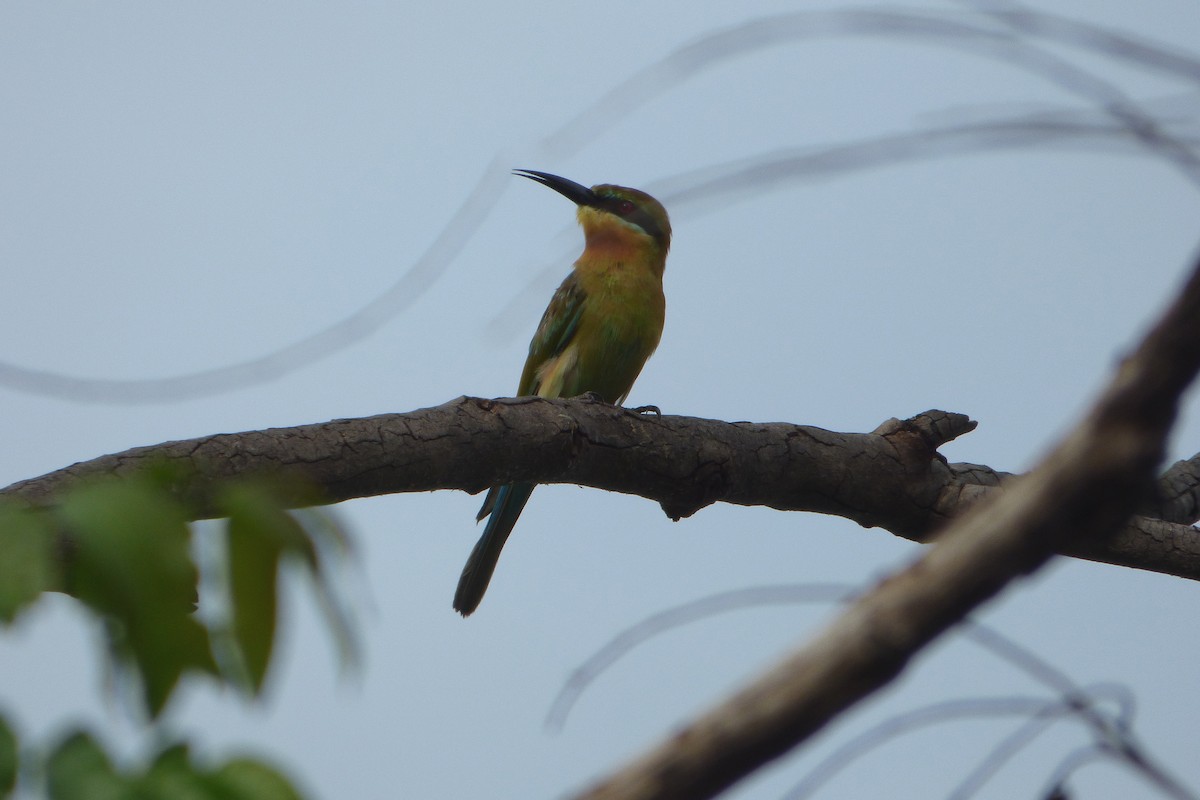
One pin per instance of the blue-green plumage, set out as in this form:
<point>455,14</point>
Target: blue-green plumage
<point>504,504</point>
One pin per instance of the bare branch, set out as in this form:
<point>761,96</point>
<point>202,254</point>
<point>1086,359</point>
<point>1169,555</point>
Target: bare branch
<point>1179,492</point>
<point>1083,491</point>
<point>892,478</point>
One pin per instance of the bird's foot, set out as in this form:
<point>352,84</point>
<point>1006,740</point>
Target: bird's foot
<point>655,410</point>
<point>591,397</point>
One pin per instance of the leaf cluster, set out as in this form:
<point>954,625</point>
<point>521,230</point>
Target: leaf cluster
<point>124,549</point>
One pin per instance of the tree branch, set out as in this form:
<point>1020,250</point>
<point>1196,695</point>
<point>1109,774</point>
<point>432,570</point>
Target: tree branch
<point>892,478</point>
<point>1178,496</point>
<point>1082,492</point>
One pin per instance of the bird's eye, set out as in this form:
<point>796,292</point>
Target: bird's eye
<point>625,207</point>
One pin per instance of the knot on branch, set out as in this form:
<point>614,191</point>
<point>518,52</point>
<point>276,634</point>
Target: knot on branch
<point>1177,498</point>
<point>935,428</point>
<point>709,483</point>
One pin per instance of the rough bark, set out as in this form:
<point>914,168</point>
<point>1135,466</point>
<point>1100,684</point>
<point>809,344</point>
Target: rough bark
<point>892,478</point>
<point>1083,492</point>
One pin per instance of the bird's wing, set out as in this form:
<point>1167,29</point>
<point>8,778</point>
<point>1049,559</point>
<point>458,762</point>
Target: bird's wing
<point>555,331</point>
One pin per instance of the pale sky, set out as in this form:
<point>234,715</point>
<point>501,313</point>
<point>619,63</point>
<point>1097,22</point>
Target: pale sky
<point>189,187</point>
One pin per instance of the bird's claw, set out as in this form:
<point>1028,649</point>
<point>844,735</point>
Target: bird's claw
<point>591,397</point>
<point>655,410</point>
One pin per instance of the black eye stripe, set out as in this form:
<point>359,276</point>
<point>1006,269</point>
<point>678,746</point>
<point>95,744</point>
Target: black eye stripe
<point>645,222</point>
<point>635,215</point>
<point>613,205</point>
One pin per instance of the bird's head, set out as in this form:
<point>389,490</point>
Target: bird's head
<point>615,214</point>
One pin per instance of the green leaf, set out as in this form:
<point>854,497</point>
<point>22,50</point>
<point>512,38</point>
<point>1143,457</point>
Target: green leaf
<point>78,769</point>
<point>329,549</point>
<point>258,533</point>
<point>262,537</point>
<point>28,563</point>
<point>172,776</point>
<point>243,779</point>
<point>133,565</point>
<point>8,758</point>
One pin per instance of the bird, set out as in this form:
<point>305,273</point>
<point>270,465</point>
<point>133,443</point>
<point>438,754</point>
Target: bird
<point>601,325</point>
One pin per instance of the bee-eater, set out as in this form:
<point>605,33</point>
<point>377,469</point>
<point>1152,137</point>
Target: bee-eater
<point>600,327</point>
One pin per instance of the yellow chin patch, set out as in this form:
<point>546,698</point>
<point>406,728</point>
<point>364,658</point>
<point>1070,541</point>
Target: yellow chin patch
<point>608,231</point>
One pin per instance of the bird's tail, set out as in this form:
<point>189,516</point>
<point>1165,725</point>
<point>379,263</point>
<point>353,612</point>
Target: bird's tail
<point>504,503</point>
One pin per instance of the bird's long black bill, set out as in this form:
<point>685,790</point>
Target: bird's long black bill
<point>575,192</point>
